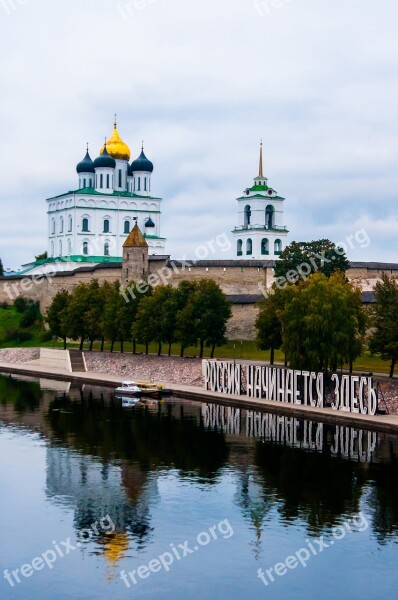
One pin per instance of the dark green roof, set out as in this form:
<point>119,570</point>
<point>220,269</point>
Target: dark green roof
<point>90,191</point>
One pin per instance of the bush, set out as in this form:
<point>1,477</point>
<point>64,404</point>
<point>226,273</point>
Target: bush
<point>21,304</point>
<point>46,336</point>
<point>29,317</point>
<point>4,304</point>
<point>15,335</point>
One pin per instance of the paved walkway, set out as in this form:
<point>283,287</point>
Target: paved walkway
<point>386,423</point>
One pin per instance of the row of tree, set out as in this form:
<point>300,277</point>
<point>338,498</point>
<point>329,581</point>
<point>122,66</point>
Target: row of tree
<point>319,320</point>
<point>193,313</point>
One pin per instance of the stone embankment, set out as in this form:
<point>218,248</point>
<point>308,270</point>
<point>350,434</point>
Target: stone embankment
<point>184,371</point>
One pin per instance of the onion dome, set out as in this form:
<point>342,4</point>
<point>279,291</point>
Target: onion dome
<point>104,161</point>
<point>115,146</point>
<point>86,165</point>
<point>149,223</point>
<point>142,163</point>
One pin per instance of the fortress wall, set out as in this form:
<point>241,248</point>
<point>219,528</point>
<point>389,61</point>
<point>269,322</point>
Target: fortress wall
<point>232,280</point>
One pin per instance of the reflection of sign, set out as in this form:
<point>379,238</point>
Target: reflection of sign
<point>347,442</point>
<point>352,394</point>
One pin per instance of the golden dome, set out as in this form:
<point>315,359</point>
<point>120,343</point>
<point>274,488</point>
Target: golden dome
<point>115,547</point>
<point>116,147</point>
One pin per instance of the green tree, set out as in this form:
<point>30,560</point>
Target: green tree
<point>323,323</point>
<point>268,325</point>
<point>111,299</point>
<point>207,313</point>
<point>127,312</point>
<point>94,312</point>
<point>184,331</point>
<point>74,321</point>
<point>156,318</point>
<point>306,258</point>
<point>1,268</point>
<point>384,339</point>
<point>55,314</point>
<point>42,256</point>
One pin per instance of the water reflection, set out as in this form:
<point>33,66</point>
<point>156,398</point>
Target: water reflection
<point>103,459</point>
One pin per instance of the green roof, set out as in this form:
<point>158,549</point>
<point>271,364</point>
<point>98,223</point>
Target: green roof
<point>261,196</point>
<point>259,188</point>
<point>90,191</point>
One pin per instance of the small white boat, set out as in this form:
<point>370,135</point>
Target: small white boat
<point>129,402</point>
<point>128,388</point>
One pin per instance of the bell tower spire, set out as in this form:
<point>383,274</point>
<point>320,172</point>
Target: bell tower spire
<point>260,169</point>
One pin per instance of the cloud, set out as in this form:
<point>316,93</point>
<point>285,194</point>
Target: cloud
<point>201,84</point>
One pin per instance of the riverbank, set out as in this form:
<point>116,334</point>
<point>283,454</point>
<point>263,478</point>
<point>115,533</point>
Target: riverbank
<point>184,377</point>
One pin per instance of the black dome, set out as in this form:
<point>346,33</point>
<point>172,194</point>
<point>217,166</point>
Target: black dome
<point>86,165</point>
<point>105,161</point>
<point>149,223</point>
<point>142,164</point>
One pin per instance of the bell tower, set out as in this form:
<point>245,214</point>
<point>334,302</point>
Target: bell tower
<point>135,257</point>
<point>260,233</point>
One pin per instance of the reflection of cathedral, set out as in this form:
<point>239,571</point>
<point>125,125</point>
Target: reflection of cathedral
<point>95,489</point>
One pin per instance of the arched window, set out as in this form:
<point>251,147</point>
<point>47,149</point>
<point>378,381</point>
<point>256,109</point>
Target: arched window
<point>107,181</point>
<point>60,247</point>
<point>69,247</point>
<point>85,224</point>
<point>52,226</point>
<point>85,248</point>
<point>70,223</point>
<point>139,184</point>
<point>61,224</point>
<point>239,248</point>
<point>248,215</point>
<point>84,182</point>
<point>269,217</point>
<point>101,181</point>
<point>106,249</point>
<point>52,248</point>
<point>264,246</point>
<point>249,246</point>
<point>106,226</point>
<point>145,183</point>
<point>278,247</point>
<point>126,227</point>
<point>134,182</point>
<point>120,178</point>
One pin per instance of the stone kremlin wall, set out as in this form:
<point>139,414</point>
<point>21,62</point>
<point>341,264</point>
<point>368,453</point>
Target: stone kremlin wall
<point>240,281</point>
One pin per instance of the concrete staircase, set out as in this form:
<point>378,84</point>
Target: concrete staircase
<point>77,361</point>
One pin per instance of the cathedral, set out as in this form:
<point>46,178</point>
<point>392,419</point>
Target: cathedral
<point>92,222</point>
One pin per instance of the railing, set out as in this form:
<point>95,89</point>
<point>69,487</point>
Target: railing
<point>260,228</point>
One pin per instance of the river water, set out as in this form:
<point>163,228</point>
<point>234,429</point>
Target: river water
<point>181,500</point>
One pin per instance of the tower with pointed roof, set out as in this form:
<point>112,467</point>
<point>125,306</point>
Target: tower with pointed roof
<point>91,223</point>
<point>135,265</point>
<point>260,233</point>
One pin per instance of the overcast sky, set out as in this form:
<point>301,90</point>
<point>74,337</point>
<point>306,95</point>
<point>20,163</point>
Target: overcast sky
<point>202,83</point>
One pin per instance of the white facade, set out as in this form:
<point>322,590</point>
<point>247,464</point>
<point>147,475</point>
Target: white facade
<point>93,222</point>
<point>77,224</point>
<point>260,233</point>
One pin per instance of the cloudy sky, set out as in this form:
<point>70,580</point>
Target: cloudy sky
<point>202,83</point>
